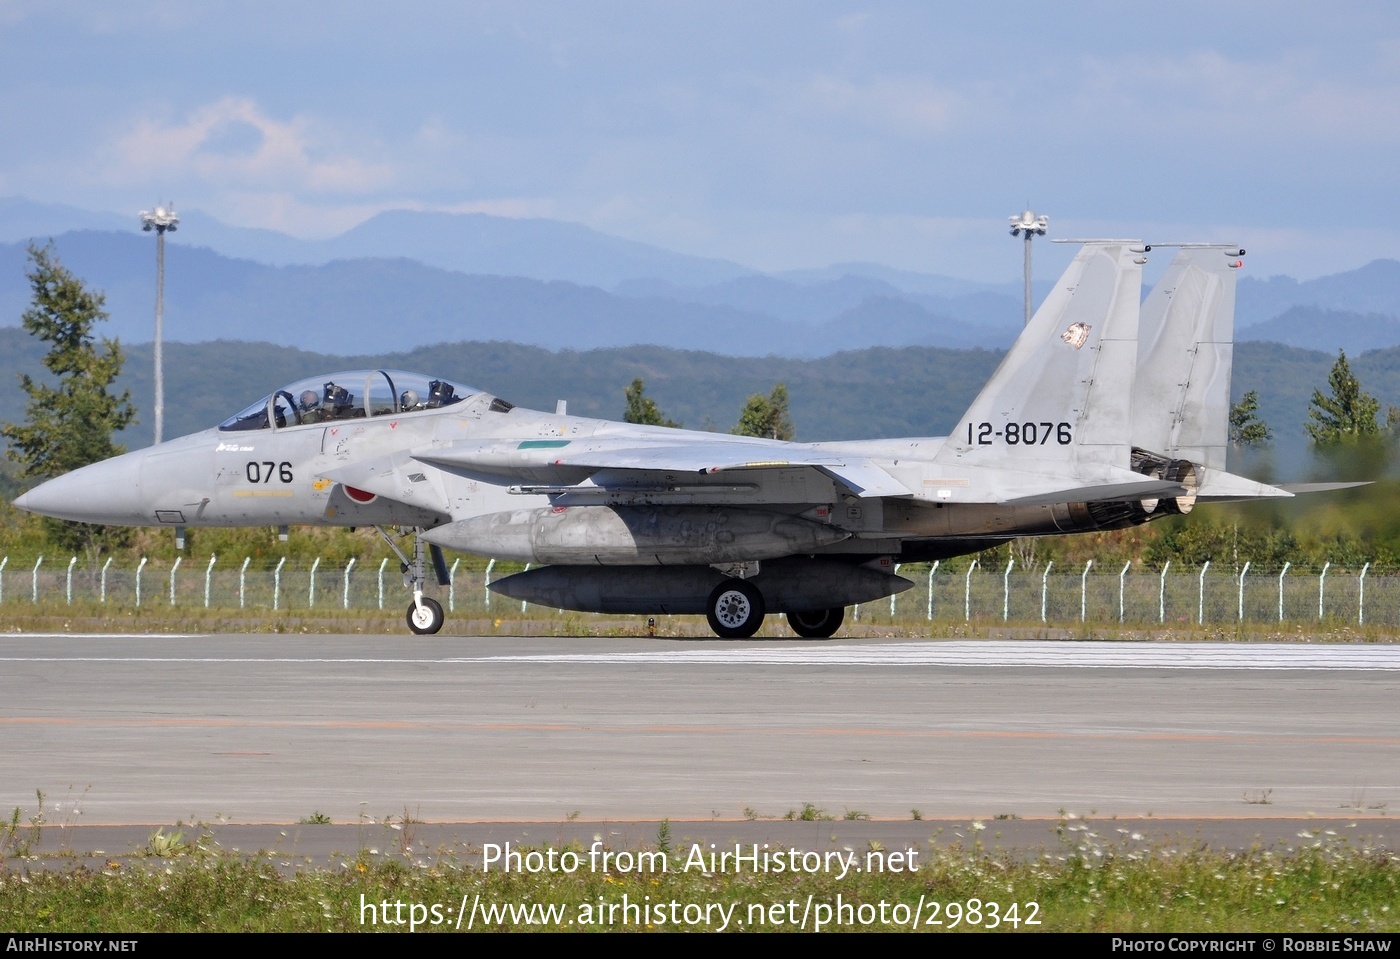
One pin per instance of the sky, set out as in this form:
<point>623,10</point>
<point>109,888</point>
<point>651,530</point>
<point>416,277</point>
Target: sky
<point>780,135</point>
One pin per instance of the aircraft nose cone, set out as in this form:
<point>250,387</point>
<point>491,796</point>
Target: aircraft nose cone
<point>107,493</point>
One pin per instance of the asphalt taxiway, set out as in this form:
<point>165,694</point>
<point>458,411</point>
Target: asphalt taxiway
<point>273,729</point>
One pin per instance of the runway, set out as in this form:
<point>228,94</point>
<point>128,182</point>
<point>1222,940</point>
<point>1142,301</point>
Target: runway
<point>249,729</point>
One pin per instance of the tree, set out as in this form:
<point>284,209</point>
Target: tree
<point>69,424</point>
<point>1347,414</point>
<point>1246,428</point>
<point>766,416</point>
<point>642,408</point>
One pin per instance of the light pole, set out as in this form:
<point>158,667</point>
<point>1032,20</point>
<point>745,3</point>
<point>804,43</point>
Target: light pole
<point>1030,225</point>
<point>160,220</point>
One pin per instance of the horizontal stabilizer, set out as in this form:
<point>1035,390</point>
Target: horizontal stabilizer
<point>1146,488</point>
<point>1297,488</point>
<point>1221,487</point>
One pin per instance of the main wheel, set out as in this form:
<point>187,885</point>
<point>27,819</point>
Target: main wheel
<point>735,609</point>
<point>817,624</point>
<point>427,618</point>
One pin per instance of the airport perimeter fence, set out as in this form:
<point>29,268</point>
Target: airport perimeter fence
<point>1176,596</point>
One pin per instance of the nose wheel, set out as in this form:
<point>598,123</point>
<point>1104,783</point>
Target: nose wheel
<point>425,616</point>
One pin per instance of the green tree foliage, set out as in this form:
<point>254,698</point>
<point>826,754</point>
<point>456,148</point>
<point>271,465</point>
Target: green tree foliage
<point>1347,414</point>
<point>766,416</point>
<point>1246,428</point>
<point>642,408</point>
<point>69,424</point>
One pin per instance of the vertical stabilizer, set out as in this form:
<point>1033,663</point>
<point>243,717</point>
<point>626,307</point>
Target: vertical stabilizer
<point>1059,403</point>
<point>1181,400</point>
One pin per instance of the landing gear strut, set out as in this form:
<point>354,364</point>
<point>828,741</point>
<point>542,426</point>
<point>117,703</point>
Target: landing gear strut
<point>425,616</point>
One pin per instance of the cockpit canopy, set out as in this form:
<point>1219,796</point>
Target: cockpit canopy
<point>350,395</point>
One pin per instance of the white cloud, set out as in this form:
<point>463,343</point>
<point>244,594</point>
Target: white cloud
<point>232,143</point>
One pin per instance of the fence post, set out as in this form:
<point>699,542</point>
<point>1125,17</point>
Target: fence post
<point>1201,597</point>
<point>68,584</point>
<point>3,563</point>
<point>1244,572</point>
<point>178,561</point>
<point>34,581</point>
<point>345,597</point>
<point>311,590</point>
<point>1044,584</point>
<point>104,577</point>
<point>277,582</point>
<point>1005,590</point>
<point>931,570</point>
<point>1162,594</point>
<point>1361,597</point>
<point>139,566</point>
<point>1321,583</point>
<point>242,579</point>
<point>487,586</point>
<point>967,592</point>
<point>452,586</point>
<point>1280,590</point>
<point>381,581</point>
<point>1084,591</point>
<point>208,575</point>
<point>1122,576</point>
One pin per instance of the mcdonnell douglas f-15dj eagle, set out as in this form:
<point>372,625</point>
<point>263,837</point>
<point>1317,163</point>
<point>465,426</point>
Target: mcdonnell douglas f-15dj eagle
<point>1107,412</point>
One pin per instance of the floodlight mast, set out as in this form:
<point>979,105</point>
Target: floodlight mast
<point>160,219</point>
<point>1029,224</point>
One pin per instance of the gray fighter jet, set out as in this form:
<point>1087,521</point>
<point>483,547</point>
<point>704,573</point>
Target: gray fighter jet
<point>1107,412</point>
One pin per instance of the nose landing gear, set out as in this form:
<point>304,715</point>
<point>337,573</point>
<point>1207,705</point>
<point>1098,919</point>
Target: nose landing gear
<point>425,616</point>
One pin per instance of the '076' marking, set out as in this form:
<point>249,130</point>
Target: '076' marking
<point>264,472</point>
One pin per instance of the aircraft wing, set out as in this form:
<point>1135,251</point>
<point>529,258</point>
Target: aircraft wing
<point>862,475</point>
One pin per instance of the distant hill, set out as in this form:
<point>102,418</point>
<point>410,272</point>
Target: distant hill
<point>1373,288</point>
<point>379,306</point>
<point>407,278</point>
<point>1314,328</point>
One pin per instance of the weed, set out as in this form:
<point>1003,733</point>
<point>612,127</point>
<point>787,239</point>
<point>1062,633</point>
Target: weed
<point>663,836</point>
<point>167,845</point>
<point>1260,797</point>
<point>10,843</point>
<point>1003,816</point>
<point>317,818</point>
<point>916,815</point>
<point>856,815</point>
<point>572,817</point>
<point>808,813</point>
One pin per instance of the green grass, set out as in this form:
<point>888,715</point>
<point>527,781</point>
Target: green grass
<point>1084,884</point>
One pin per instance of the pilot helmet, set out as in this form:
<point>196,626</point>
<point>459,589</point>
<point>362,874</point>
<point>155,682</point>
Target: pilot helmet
<point>337,397</point>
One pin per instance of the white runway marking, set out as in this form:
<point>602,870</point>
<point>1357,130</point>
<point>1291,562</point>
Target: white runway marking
<point>995,654</point>
<point>1060,655</point>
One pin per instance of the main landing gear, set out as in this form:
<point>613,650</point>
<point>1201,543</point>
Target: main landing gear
<point>819,624</point>
<point>736,609</point>
<point>425,616</point>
